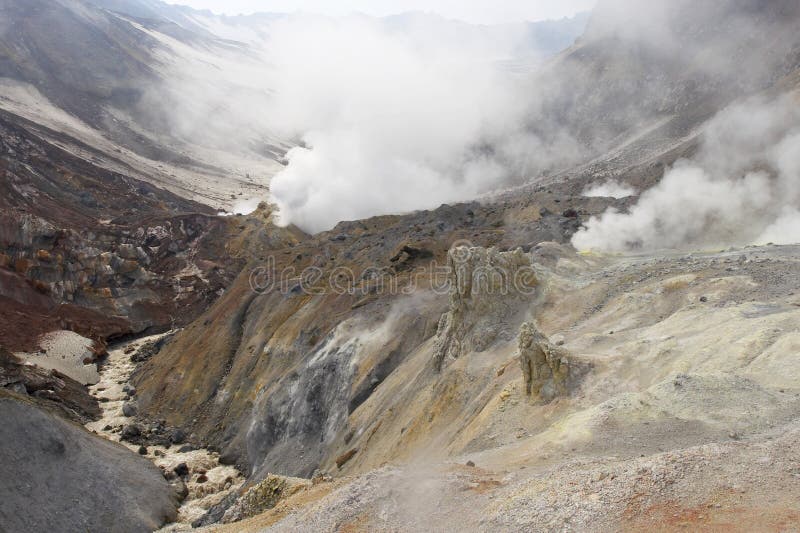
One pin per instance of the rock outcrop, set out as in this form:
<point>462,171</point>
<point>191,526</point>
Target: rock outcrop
<point>264,496</point>
<point>549,370</point>
<point>487,290</point>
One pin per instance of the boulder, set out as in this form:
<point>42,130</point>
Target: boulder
<point>129,409</point>
<point>407,253</point>
<point>182,469</point>
<point>130,432</point>
<point>180,489</point>
<point>178,436</point>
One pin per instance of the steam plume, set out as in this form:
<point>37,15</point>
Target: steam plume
<point>742,188</point>
<point>394,121</point>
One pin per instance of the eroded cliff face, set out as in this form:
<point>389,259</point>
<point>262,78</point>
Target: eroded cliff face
<point>296,421</point>
<point>97,252</point>
<point>275,385</point>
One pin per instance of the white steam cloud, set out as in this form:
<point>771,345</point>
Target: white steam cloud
<point>403,113</point>
<point>384,115</point>
<point>742,188</point>
<point>393,121</point>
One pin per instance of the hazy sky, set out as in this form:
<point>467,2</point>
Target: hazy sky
<point>475,11</point>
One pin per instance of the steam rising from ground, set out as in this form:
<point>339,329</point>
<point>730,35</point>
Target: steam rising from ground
<point>393,121</point>
<point>742,188</point>
<point>385,115</point>
<point>408,112</point>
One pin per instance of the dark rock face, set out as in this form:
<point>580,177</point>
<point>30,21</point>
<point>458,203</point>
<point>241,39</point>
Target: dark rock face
<point>307,421</point>
<point>147,351</point>
<point>215,514</point>
<point>56,476</point>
